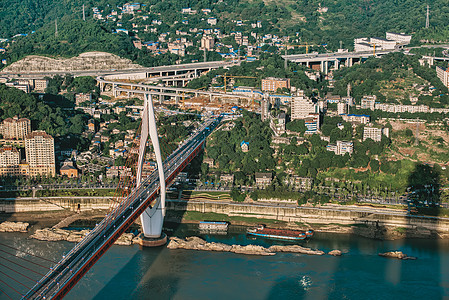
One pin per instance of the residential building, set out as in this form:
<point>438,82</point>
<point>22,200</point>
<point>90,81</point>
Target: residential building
<point>207,42</point>
<point>368,102</point>
<point>272,84</point>
<point>374,133</point>
<point>312,123</point>
<point>23,87</point>
<point>265,108</point>
<point>341,147</point>
<point>130,8</point>
<point>212,21</point>
<point>15,128</point>
<point>342,108</point>
<point>278,124</point>
<point>302,106</point>
<point>9,161</point>
<point>82,97</point>
<point>398,108</point>
<point>263,179</point>
<point>361,119</point>
<point>209,161</point>
<point>227,178</point>
<point>244,146</point>
<point>40,84</point>
<point>40,153</point>
<point>299,183</point>
<point>443,75</point>
<point>91,125</point>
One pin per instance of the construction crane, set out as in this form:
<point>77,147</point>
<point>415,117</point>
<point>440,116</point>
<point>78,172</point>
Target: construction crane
<point>374,48</point>
<point>225,76</point>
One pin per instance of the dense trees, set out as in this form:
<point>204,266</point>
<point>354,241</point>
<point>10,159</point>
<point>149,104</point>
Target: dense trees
<point>225,149</point>
<point>53,120</point>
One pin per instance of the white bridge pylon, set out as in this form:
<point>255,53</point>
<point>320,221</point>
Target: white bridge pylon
<point>153,217</point>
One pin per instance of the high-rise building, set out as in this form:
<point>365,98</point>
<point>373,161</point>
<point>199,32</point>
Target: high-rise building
<point>40,153</point>
<point>302,106</point>
<point>15,128</point>
<point>207,42</point>
<point>265,107</point>
<point>272,84</point>
<point>9,161</point>
<point>342,107</point>
<point>443,75</point>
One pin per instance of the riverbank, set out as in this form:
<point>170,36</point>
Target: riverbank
<point>369,229</point>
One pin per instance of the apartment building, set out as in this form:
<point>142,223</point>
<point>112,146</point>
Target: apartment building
<point>9,161</point>
<point>15,128</point>
<point>443,75</point>
<point>302,106</point>
<point>272,84</point>
<point>341,147</point>
<point>375,133</point>
<point>368,102</point>
<point>40,153</point>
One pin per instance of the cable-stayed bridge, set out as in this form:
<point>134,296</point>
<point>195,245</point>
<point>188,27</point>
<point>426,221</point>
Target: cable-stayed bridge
<point>147,200</point>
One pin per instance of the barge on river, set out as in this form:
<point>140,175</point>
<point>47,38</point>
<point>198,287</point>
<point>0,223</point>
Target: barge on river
<point>213,225</point>
<point>283,234</point>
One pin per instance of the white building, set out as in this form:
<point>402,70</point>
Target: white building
<point>368,102</point>
<point>341,148</point>
<point>342,108</point>
<point>302,106</point>
<point>374,133</point>
<point>383,44</point>
<point>212,21</point>
<point>400,38</point>
<point>443,75</point>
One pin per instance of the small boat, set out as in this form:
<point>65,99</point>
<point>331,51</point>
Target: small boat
<point>284,234</point>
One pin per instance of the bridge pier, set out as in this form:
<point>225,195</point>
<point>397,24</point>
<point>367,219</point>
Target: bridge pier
<point>153,217</point>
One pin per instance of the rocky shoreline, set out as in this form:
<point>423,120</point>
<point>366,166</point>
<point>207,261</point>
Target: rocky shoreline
<point>14,226</point>
<point>56,234</point>
<point>196,243</point>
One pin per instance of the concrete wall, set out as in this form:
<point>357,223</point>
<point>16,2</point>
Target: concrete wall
<point>312,215</point>
<point>53,203</point>
<point>284,213</point>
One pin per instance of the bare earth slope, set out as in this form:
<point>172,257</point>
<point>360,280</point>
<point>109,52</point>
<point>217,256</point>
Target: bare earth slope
<point>84,62</point>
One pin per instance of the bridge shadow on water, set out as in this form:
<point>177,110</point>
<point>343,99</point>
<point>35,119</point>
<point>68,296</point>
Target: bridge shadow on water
<point>360,273</point>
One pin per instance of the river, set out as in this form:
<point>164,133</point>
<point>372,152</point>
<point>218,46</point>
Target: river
<point>129,272</point>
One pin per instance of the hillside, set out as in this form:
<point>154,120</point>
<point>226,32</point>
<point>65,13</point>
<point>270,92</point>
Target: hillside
<point>315,21</point>
<point>83,62</point>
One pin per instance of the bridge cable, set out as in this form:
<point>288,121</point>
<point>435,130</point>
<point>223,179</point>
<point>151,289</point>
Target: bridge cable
<point>13,289</point>
<point>3,292</point>
<point>15,280</point>
<point>49,260</point>
<point>23,266</point>
<point>18,273</point>
<point>26,260</point>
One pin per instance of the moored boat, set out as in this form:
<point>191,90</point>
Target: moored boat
<point>284,234</point>
<point>213,225</point>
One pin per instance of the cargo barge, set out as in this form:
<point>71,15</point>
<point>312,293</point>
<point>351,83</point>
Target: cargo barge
<point>213,225</point>
<point>284,234</point>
